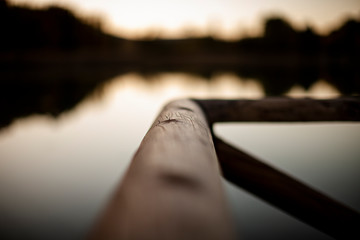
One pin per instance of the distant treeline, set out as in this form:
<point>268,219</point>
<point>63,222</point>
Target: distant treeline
<point>51,28</point>
<point>55,28</point>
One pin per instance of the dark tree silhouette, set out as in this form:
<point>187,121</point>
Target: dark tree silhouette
<point>52,28</point>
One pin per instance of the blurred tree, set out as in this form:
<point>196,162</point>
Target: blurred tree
<point>280,35</point>
<point>54,27</point>
<point>345,41</point>
<point>309,42</point>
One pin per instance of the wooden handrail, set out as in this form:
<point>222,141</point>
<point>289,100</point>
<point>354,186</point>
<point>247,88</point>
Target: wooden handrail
<point>172,189</point>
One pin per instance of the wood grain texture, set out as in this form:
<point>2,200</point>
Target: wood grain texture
<point>172,189</point>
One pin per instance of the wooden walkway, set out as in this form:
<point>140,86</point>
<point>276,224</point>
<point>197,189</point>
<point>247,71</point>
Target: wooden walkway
<point>173,189</point>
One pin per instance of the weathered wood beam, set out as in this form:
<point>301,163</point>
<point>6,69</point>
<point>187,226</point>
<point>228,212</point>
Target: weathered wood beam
<point>281,109</point>
<point>172,189</point>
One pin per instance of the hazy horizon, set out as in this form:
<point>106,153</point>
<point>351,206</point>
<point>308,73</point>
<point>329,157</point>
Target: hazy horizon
<point>227,19</point>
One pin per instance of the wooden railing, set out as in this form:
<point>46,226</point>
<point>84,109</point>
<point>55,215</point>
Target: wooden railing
<point>173,189</point>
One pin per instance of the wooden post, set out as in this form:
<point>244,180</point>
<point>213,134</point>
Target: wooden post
<point>172,189</point>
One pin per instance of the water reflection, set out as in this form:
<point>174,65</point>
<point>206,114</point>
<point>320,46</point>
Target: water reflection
<point>182,85</point>
<point>49,90</point>
<point>53,91</point>
<point>55,173</point>
<point>320,89</point>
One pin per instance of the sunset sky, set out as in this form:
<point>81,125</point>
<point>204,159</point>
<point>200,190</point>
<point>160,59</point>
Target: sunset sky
<point>224,18</point>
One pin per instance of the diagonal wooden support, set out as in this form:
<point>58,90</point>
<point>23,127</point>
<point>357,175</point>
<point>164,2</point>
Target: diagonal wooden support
<point>287,193</point>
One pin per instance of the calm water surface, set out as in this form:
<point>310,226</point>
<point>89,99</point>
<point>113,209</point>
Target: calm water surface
<point>57,174</point>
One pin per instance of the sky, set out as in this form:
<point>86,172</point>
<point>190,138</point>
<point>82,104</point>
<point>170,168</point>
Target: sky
<point>220,18</point>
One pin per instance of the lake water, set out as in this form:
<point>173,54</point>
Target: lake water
<point>56,174</point>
